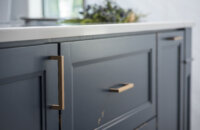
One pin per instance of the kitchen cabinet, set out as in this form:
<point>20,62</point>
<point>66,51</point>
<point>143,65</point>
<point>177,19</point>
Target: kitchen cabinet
<point>170,80</point>
<point>96,66</point>
<point>126,81</point>
<point>28,85</point>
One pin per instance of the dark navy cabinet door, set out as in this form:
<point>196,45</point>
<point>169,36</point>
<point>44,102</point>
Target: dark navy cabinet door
<point>94,66</point>
<point>187,79</point>
<point>170,80</point>
<point>28,84</point>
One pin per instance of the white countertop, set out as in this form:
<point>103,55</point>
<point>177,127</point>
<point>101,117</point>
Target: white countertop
<point>8,34</point>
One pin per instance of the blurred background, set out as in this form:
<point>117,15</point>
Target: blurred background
<point>41,12</point>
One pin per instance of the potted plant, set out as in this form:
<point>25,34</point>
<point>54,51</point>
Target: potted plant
<point>110,12</point>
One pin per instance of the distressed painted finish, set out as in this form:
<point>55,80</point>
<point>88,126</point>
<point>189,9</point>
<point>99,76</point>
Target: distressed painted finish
<point>92,66</point>
<point>96,66</point>
<point>150,125</point>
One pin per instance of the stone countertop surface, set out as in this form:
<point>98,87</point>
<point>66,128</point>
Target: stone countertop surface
<point>10,34</point>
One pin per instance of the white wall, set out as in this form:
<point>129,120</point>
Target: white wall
<point>169,10</point>
<point>5,11</point>
<point>34,8</point>
<point>11,11</point>
<point>19,8</point>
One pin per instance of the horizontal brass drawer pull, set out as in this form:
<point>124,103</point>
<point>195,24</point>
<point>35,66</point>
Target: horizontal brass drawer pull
<point>123,88</point>
<point>176,38</point>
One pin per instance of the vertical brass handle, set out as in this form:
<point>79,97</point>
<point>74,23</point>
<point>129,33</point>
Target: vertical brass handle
<point>61,97</point>
<point>176,38</point>
<point>123,88</point>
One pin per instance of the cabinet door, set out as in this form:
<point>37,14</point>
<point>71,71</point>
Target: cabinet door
<point>170,80</point>
<point>28,85</point>
<point>95,66</point>
<point>187,79</point>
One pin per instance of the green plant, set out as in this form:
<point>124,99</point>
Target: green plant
<point>109,13</point>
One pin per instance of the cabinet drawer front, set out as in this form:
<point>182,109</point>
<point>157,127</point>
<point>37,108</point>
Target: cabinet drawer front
<point>97,66</point>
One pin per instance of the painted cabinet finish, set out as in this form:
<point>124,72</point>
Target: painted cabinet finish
<point>96,66</point>
<point>27,86</point>
<point>158,63</point>
<point>170,80</point>
<point>187,78</point>
<point>150,125</point>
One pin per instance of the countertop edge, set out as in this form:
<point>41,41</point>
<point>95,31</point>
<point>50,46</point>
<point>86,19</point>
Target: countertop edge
<point>48,32</point>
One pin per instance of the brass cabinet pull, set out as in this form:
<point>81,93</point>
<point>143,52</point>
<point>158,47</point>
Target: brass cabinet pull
<point>61,98</point>
<point>176,38</point>
<point>123,88</point>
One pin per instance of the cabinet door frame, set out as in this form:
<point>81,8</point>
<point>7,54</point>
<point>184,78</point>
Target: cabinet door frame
<point>187,78</point>
<point>164,43</point>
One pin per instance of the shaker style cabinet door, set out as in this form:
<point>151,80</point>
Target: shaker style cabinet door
<point>28,85</point>
<point>170,80</point>
<point>110,83</point>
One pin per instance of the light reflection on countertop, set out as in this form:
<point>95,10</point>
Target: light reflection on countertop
<point>20,33</point>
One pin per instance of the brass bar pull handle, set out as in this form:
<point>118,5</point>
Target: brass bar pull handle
<point>61,97</point>
<point>125,87</point>
<point>176,38</point>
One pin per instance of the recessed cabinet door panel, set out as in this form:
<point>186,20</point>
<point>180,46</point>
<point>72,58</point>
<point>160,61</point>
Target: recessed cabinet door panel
<point>25,84</point>
<point>170,80</point>
<point>98,65</point>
